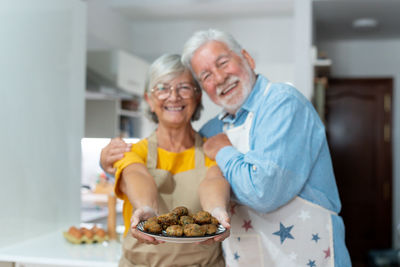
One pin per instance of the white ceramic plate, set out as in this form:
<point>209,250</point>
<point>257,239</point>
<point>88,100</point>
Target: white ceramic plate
<point>182,239</point>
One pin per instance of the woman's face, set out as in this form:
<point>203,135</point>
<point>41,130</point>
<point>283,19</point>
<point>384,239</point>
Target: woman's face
<point>177,109</point>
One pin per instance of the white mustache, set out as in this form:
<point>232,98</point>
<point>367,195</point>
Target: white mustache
<point>231,79</point>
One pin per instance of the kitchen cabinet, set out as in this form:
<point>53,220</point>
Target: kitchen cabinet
<point>105,117</point>
<point>114,88</point>
<point>124,70</point>
<point>108,116</point>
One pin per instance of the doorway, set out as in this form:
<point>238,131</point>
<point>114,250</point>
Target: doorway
<point>358,118</point>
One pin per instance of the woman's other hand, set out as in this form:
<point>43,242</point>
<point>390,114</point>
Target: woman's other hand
<point>214,144</point>
<point>139,215</point>
<point>113,152</point>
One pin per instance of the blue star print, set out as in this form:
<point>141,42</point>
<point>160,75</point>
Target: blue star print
<point>315,238</point>
<point>311,263</point>
<point>284,232</point>
<point>236,255</point>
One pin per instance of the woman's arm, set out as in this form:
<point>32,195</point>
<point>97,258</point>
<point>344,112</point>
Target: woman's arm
<point>214,193</point>
<point>140,188</point>
<point>214,190</point>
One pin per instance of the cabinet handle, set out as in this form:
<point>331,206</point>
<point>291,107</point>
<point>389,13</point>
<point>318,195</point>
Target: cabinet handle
<point>386,132</point>
<point>387,103</point>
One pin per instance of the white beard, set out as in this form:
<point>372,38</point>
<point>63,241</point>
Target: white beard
<point>234,101</point>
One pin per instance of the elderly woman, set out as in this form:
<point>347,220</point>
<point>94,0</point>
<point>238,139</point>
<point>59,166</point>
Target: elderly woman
<point>169,169</point>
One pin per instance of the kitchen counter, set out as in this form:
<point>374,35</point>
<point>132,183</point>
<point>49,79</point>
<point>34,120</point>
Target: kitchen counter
<point>52,249</point>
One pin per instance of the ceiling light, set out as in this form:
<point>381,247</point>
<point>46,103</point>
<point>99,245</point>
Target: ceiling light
<point>365,23</point>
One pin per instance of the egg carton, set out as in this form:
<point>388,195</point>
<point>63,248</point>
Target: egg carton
<point>85,235</point>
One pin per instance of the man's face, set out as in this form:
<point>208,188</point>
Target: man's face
<point>226,77</point>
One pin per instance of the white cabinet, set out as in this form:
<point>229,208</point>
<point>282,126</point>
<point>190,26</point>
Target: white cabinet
<point>115,85</point>
<point>122,69</point>
<point>105,117</point>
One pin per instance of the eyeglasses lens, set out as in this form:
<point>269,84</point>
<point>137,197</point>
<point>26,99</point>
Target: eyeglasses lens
<point>163,91</point>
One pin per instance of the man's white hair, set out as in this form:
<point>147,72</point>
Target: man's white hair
<point>200,38</point>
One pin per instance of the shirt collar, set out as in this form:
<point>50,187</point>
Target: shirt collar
<point>249,103</point>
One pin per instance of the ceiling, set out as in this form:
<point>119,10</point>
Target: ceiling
<point>201,9</point>
<point>332,18</point>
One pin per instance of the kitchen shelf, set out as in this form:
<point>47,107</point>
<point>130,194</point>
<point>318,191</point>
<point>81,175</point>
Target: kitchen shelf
<point>130,113</point>
<point>323,63</point>
<point>90,95</point>
<point>94,207</point>
<point>105,117</point>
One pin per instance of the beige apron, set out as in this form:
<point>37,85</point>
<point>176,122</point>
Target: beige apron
<point>174,190</point>
<point>296,234</point>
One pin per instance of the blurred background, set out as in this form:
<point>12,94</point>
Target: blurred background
<point>72,75</point>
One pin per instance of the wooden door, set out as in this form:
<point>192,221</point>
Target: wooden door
<point>358,123</point>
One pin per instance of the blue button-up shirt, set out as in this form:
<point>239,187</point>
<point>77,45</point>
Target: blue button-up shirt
<point>288,156</point>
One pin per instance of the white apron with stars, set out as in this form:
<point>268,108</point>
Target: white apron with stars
<point>296,234</point>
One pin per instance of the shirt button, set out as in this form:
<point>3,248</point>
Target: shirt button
<point>254,167</point>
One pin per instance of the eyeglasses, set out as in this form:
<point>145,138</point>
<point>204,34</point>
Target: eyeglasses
<point>163,90</point>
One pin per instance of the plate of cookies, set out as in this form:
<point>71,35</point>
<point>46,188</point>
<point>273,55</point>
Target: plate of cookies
<point>180,226</point>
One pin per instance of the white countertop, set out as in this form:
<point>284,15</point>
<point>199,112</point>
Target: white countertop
<point>53,249</point>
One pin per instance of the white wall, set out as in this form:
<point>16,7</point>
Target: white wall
<point>302,31</point>
<point>106,29</point>
<point>42,51</point>
<point>376,58</point>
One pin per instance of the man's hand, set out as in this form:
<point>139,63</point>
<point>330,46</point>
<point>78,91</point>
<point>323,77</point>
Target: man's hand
<point>214,144</point>
<point>112,152</point>
<point>141,214</point>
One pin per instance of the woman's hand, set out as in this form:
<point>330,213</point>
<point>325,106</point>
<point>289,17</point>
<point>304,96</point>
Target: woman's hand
<point>141,214</point>
<point>214,144</point>
<point>112,152</point>
<point>223,218</point>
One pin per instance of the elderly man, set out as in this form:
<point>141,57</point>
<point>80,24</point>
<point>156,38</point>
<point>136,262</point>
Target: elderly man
<point>271,146</point>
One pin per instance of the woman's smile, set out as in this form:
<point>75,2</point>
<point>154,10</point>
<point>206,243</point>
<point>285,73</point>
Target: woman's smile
<point>174,108</point>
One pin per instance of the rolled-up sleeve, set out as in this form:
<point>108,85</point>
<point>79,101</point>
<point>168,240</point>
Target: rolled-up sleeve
<point>128,159</point>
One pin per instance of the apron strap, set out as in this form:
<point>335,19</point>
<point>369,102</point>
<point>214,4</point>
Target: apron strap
<point>267,88</point>
<point>152,151</point>
<point>198,151</point>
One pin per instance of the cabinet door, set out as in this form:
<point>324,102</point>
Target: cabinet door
<point>358,122</point>
<point>102,118</point>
